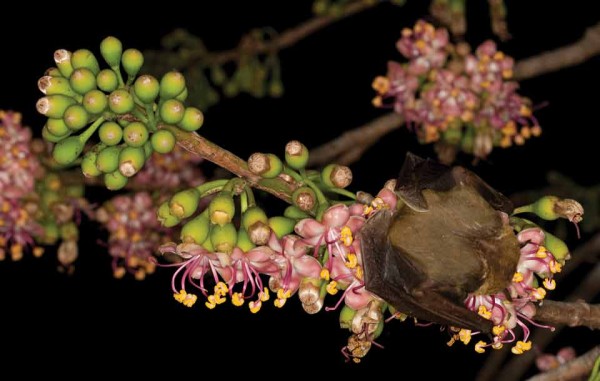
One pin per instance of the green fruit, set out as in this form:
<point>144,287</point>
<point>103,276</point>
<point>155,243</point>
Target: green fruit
<point>67,150</point>
<point>107,80</point>
<point>163,141</point>
<point>146,88</point>
<point>76,117</point>
<point>544,208</point>
<point>556,246</point>
<point>54,106</point>
<point>196,230</point>
<point>55,85</point>
<point>107,160</point>
<point>82,80</point>
<point>50,137</point>
<point>111,50</point>
<point>171,111</point>
<point>165,217</point>
<point>243,241</point>
<point>132,61</point>
<point>295,213</point>
<point>171,85</point>
<point>95,102</point>
<point>281,226</point>
<point>115,180</point>
<point>184,203</point>
<point>253,215</point>
<point>62,58</point>
<point>296,155</point>
<point>223,238</point>
<point>57,127</point>
<point>182,96</point>
<point>110,133</point>
<point>192,119</point>
<point>135,134</point>
<point>120,102</point>
<point>131,160</point>
<point>88,165</point>
<point>221,209</point>
<point>84,58</point>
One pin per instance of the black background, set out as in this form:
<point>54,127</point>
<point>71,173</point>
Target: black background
<point>117,327</point>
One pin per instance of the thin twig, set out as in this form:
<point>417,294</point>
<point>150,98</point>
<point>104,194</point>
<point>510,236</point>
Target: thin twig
<point>573,314</point>
<point>573,370</point>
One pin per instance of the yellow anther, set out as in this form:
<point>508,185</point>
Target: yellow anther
<point>480,347</point>
<point>420,44</point>
<point>367,210</point>
<point>525,111</point>
<point>517,277</point>
<point>520,347</point>
<point>16,252</point>
<point>120,273</point>
<point>525,132</point>
<point>498,330</point>
<point>452,340</point>
<point>140,274</point>
<point>332,288</point>
<point>324,274</point>
<point>38,251</point>
<point>381,84</point>
<point>255,306</point>
<point>5,207</point>
<point>550,284</point>
<point>555,267</point>
<point>279,302</point>
<point>237,299</point>
<point>283,294</point>
<point>539,293</point>
<point>346,236</point>
<point>136,237</point>
<point>485,84</point>
<point>536,130</point>
<point>406,32</point>
<point>221,288</point>
<point>359,273</point>
<point>465,336</point>
<point>498,56</point>
<point>189,300</point>
<point>377,203</point>
<point>220,299</point>
<point>519,140</point>
<point>541,252</point>
<point>351,261</point>
<point>507,73</point>
<point>377,101</point>
<point>497,345</point>
<point>180,296</point>
<point>210,303</point>
<point>264,295</point>
<point>483,311</point>
<point>466,116</point>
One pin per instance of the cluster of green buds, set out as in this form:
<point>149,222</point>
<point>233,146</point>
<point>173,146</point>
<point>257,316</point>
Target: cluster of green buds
<point>128,114</point>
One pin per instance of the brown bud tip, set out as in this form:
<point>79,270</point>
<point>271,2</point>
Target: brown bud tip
<point>287,178</point>
<point>364,197</point>
<point>127,168</point>
<point>67,252</point>
<point>102,216</point>
<point>314,307</point>
<point>42,105</point>
<point>308,293</point>
<point>569,209</point>
<point>259,233</point>
<point>44,83</point>
<point>294,148</point>
<point>390,185</point>
<point>305,201</point>
<point>341,176</point>
<point>61,55</point>
<point>258,163</point>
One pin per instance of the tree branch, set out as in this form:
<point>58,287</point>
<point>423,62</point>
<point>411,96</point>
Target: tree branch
<point>566,56</point>
<point>573,314</point>
<point>573,370</point>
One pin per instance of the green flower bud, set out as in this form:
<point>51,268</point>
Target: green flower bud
<point>468,140</point>
<point>346,316</point>
<point>217,75</point>
<point>135,134</point>
<point>115,180</point>
<point>165,217</point>
<point>221,209</point>
<point>111,49</point>
<point>55,85</point>
<point>192,119</point>
<point>54,106</point>
<point>196,230</point>
<point>171,111</point>
<point>107,160</point>
<point>336,176</point>
<point>107,80</point>
<point>231,89</point>
<point>67,150</point>
<point>296,155</point>
<point>57,127</point>
<point>295,213</point>
<point>50,137</point>
<point>304,198</point>
<point>163,141</point>
<point>82,80</point>
<point>49,198</point>
<point>95,102</point>
<point>131,160</point>
<point>88,165</point>
<point>50,235</point>
<point>62,58</point>
<point>75,191</point>
<point>69,231</point>
<point>53,72</point>
<point>182,96</point>
<point>120,102</point>
<point>148,149</point>
<point>110,133</point>
<point>146,88</point>
<point>243,241</point>
<point>253,215</point>
<point>223,238</point>
<point>556,246</point>
<point>52,182</point>
<point>551,207</point>
<point>453,134</point>
<point>276,89</point>
<point>281,226</point>
<point>171,85</point>
<point>266,165</point>
<point>207,244</point>
<point>132,61</point>
<point>84,58</point>
<point>76,117</point>
<point>184,203</point>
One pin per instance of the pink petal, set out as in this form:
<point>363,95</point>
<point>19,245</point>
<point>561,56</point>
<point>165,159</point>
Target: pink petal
<point>357,298</point>
<point>336,216</point>
<point>533,235</point>
<point>309,228</point>
<point>307,267</point>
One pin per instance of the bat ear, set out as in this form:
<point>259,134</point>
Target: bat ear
<point>418,174</point>
<point>496,199</point>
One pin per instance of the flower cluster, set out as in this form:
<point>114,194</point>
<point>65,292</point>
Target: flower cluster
<point>172,170</point>
<point>18,170</point>
<point>461,100</point>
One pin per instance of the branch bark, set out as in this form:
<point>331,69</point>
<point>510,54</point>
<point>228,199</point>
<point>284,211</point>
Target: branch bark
<point>573,370</point>
<point>573,314</point>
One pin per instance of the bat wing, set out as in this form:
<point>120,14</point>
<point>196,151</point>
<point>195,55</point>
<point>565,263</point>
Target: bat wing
<point>391,275</point>
<point>418,174</point>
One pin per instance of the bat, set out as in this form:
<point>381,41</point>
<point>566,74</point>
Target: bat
<point>446,239</point>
